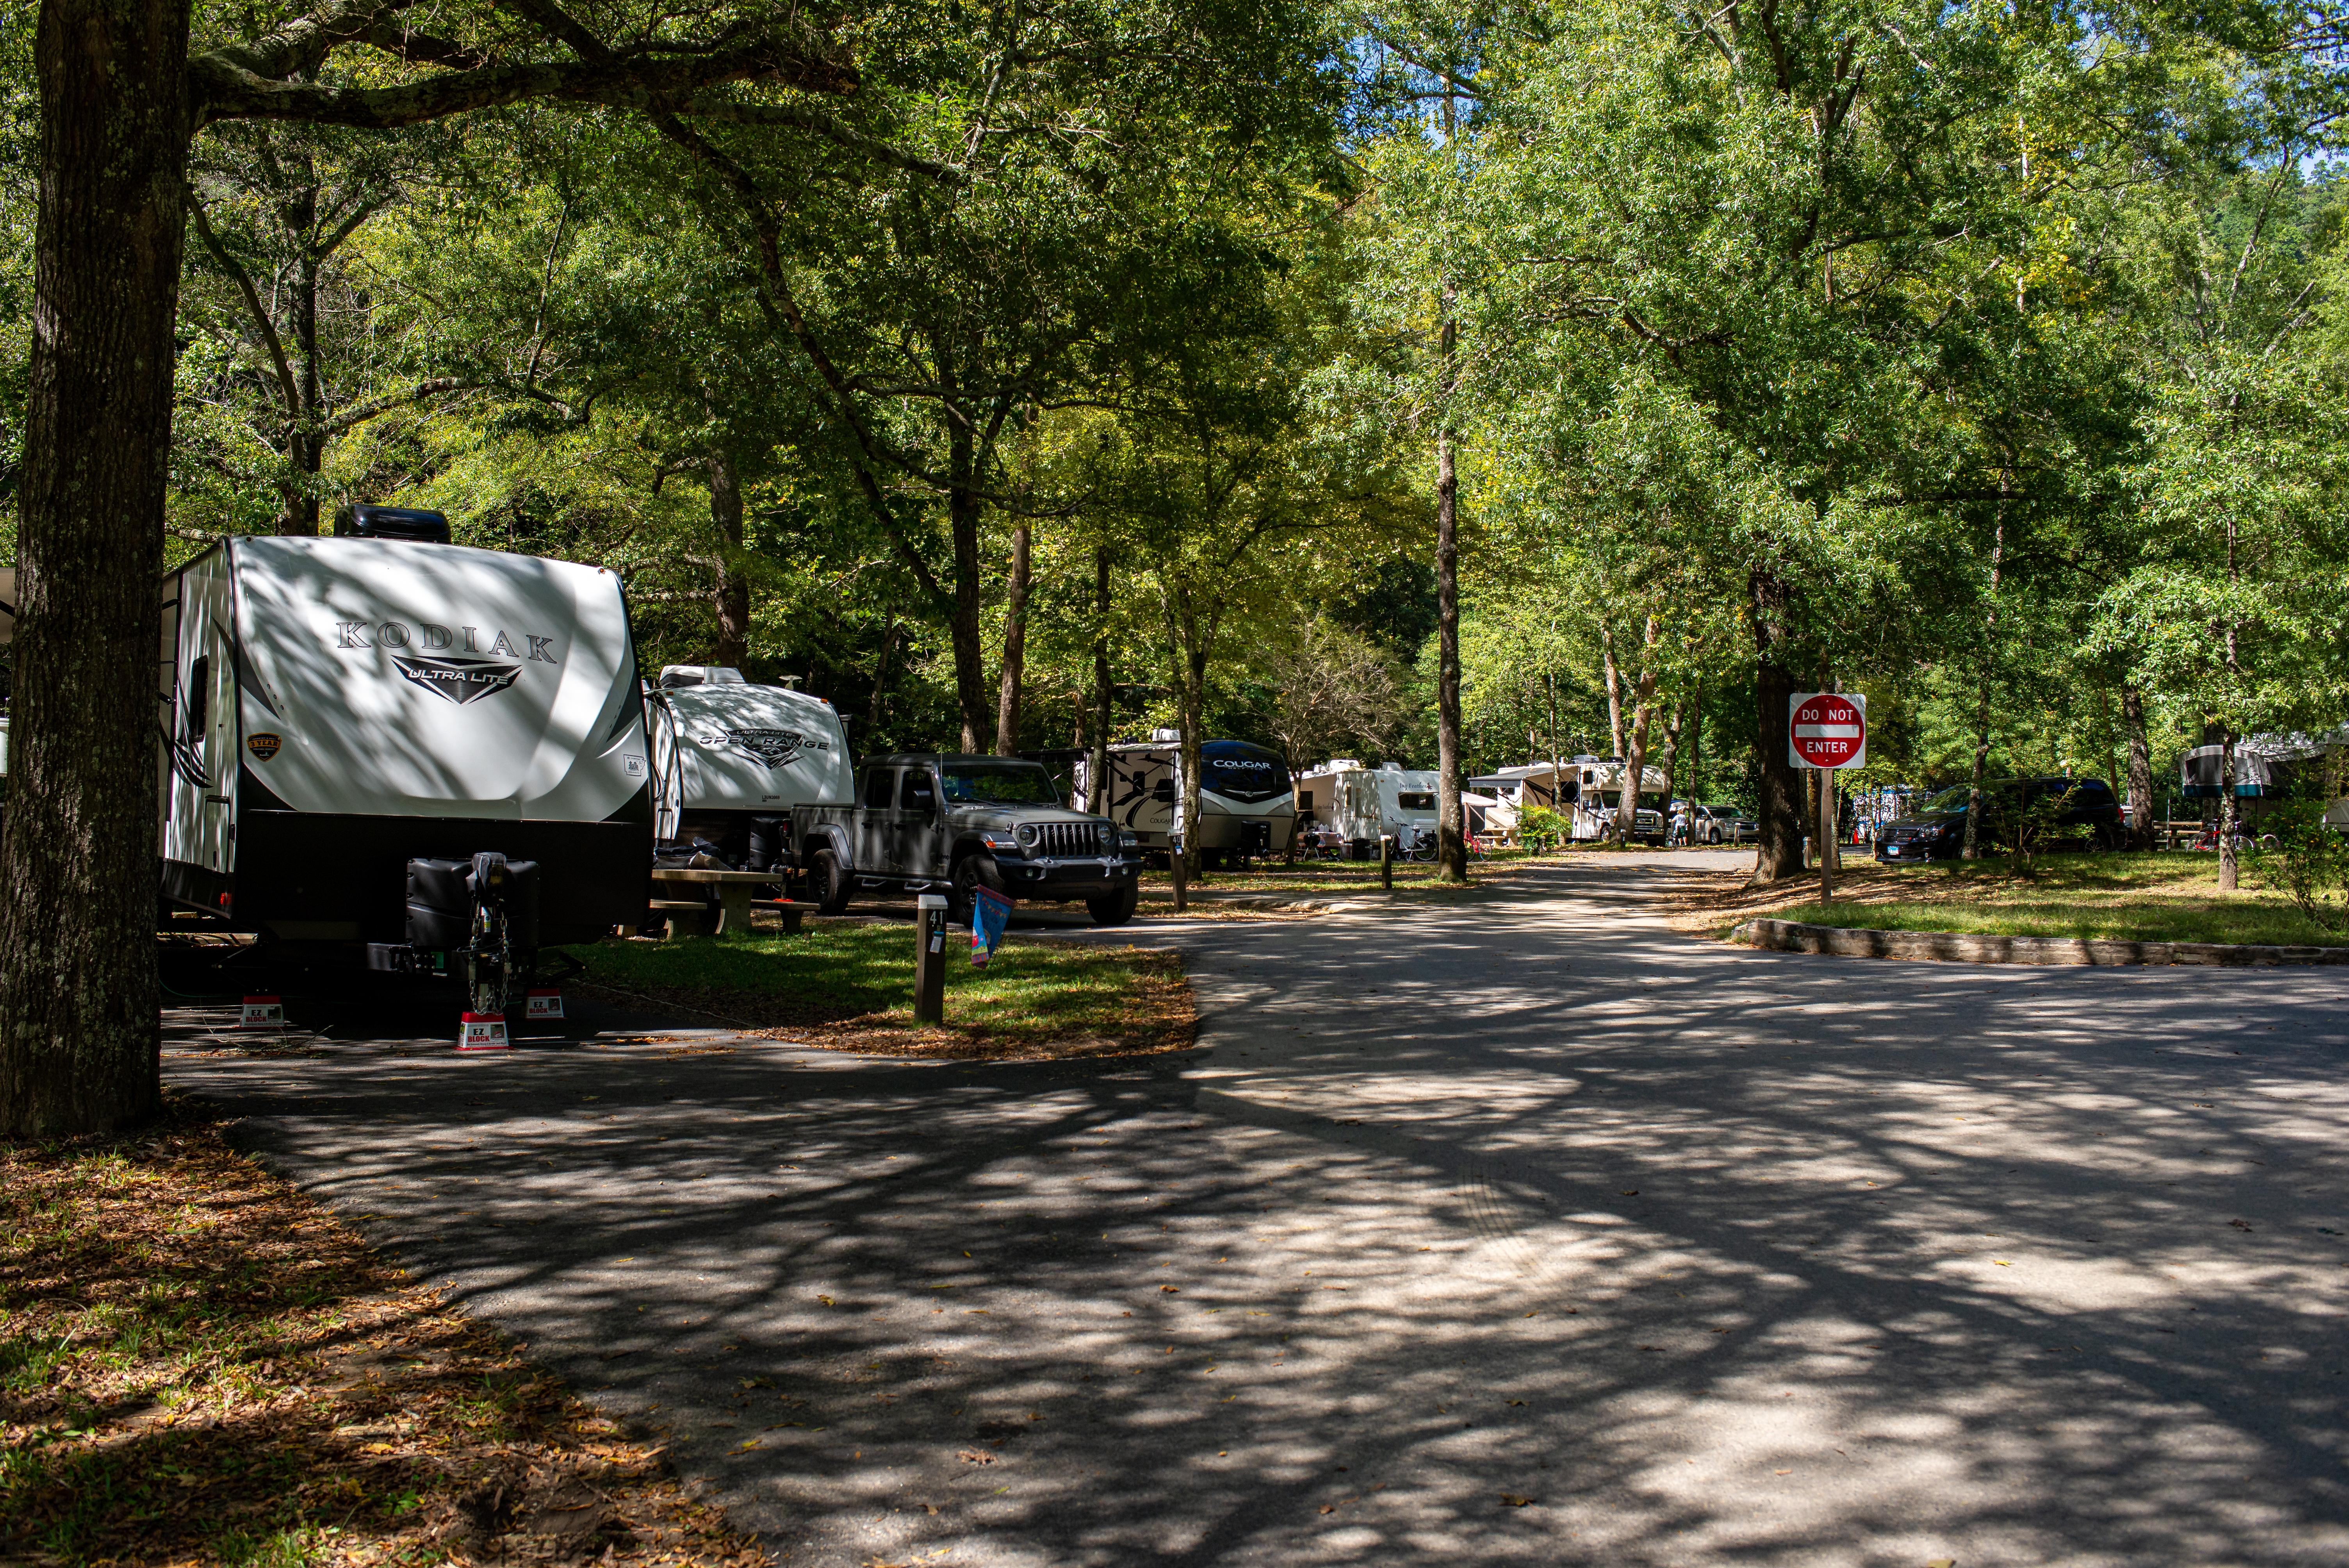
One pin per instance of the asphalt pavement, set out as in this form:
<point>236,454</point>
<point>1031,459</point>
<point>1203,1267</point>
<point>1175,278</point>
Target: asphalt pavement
<point>1523,1230</point>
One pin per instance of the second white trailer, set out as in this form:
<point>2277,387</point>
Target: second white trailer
<point>731,759</point>
<point>1357,806</point>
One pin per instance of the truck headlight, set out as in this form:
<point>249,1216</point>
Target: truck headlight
<point>1108,837</point>
<point>1026,832</point>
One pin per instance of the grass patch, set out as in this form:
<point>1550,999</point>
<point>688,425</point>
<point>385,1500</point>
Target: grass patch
<point>2153,897</point>
<point>197,1364</point>
<point>849,985</point>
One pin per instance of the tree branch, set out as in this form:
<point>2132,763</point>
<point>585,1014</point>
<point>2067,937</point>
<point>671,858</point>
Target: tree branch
<point>224,87</point>
<point>244,280</point>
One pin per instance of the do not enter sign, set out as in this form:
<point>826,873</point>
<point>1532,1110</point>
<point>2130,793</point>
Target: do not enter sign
<point>1827,729</point>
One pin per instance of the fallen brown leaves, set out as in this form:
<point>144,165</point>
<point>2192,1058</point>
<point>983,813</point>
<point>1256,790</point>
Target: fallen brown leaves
<point>198,1364</point>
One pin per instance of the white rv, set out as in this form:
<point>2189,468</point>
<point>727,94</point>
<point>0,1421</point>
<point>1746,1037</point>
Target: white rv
<point>434,755</point>
<point>1594,787</point>
<point>1245,804</point>
<point>731,759</point>
<point>1357,806</point>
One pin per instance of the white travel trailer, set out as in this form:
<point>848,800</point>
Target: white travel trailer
<point>731,759</point>
<point>1359,805</point>
<point>1594,786</point>
<point>1245,804</point>
<point>432,755</point>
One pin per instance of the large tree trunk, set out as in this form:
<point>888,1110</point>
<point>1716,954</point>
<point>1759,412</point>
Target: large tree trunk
<point>1674,723</point>
<point>1187,650</point>
<point>2140,770</point>
<point>1635,761</point>
<point>969,650</point>
<point>1451,821</point>
<point>1015,648</point>
<point>78,1039</point>
<point>1780,852</point>
<point>1990,660</point>
<point>1614,690</point>
<point>307,443</point>
<point>1105,692</point>
<point>880,680</point>
<point>733,592</point>
<point>2228,811</point>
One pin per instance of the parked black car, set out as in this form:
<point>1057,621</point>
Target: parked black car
<point>1936,830</point>
<point>929,823</point>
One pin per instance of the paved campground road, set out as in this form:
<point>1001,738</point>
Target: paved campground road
<point>1522,1232</point>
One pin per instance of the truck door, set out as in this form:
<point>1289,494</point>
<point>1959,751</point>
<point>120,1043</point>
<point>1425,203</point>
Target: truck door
<point>876,822</point>
<point>921,826</point>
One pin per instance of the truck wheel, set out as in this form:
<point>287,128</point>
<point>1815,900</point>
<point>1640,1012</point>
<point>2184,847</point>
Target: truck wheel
<point>1114,908</point>
<point>832,885</point>
<point>970,872</point>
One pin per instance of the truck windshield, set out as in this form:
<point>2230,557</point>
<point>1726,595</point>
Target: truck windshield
<point>998,783</point>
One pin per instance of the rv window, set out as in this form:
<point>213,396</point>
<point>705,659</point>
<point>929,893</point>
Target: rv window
<point>1409,801</point>
<point>917,795</point>
<point>1304,800</point>
<point>1610,799</point>
<point>879,784</point>
<point>199,694</point>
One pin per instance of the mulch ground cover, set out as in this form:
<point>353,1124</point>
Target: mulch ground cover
<point>200,1365</point>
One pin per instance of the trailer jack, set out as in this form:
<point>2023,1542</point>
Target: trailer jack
<point>484,914</point>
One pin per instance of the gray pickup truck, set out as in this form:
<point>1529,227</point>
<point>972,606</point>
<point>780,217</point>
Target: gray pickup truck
<point>930,823</point>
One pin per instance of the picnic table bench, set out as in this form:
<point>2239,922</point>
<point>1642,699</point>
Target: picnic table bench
<point>686,915</point>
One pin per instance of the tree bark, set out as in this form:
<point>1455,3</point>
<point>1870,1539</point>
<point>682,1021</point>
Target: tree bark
<point>2140,769</point>
<point>1673,724</point>
<point>1015,648</point>
<point>1989,664</point>
<point>1780,852</point>
<point>733,592</point>
<point>880,676</point>
<point>2228,811</point>
<point>1187,651</point>
<point>1635,762</point>
<point>1105,692</point>
<point>1614,690</point>
<point>1451,821</point>
<point>79,1047</point>
<point>969,649</point>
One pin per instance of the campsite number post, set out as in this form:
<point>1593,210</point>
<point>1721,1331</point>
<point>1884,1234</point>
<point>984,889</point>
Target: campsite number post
<point>929,958</point>
<point>1827,730</point>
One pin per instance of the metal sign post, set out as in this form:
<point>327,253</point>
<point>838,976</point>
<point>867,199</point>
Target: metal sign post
<point>929,958</point>
<point>1826,731</point>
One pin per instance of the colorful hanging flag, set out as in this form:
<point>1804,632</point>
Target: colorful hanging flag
<point>989,913</point>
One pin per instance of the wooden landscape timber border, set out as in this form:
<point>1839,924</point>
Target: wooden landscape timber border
<point>1962,947</point>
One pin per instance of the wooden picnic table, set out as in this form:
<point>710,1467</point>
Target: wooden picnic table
<point>733,898</point>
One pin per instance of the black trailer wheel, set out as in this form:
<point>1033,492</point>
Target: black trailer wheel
<point>831,883</point>
<point>1114,908</point>
<point>971,872</point>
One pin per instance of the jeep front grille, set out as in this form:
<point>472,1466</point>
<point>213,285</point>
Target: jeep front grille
<point>1058,840</point>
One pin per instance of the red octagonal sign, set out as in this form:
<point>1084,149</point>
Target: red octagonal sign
<point>1828,729</point>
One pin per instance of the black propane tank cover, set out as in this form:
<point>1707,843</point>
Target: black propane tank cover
<point>439,903</point>
<point>770,842</point>
<point>518,895</point>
